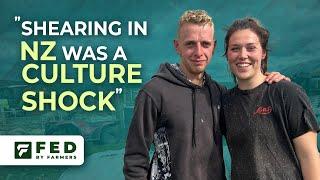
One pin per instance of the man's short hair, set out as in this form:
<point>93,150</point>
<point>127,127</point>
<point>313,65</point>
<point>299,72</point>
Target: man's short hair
<point>199,17</point>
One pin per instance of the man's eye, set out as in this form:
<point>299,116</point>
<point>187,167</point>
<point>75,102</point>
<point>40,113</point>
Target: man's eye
<point>206,44</point>
<point>189,44</point>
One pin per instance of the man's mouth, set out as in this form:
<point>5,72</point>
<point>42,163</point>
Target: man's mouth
<point>198,61</point>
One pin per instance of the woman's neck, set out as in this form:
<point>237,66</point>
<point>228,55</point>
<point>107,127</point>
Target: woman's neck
<point>252,83</point>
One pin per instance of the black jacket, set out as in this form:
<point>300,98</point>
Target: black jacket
<point>181,119</point>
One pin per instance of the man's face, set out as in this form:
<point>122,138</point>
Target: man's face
<point>245,55</point>
<point>195,45</point>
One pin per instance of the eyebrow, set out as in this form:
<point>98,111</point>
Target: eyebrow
<point>248,44</point>
<point>204,41</point>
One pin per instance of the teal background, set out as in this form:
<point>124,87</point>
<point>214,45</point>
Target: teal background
<point>294,43</point>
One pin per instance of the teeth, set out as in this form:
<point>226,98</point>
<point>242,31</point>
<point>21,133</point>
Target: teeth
<point>243,65</point>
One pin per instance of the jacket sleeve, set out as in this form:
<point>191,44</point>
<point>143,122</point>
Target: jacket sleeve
<point>140,137</point>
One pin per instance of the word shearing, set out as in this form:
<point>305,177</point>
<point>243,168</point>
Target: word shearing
<point>81,28</point>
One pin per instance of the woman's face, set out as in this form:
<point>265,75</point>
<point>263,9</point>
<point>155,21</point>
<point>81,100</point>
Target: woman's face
<point>245,54</point>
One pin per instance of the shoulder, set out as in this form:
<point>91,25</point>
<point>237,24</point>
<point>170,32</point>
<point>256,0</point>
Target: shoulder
<point>155,89</point>
<point>289,92</point>
<point>287,89</point>
<point>217,87</point>
<point>229,95</point>
<point>285,84</point>
<point>155,85</point>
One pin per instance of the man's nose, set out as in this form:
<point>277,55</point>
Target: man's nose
<point>198,49</point>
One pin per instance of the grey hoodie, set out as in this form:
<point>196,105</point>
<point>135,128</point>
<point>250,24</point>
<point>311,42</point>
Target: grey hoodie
<point>181,120</point>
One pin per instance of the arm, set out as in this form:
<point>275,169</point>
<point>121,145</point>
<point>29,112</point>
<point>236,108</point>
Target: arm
<point>140,137</point>
<point>302,129</point>
<point>308,155</point>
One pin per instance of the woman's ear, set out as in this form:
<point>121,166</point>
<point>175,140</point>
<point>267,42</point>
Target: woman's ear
<point>264,54</point>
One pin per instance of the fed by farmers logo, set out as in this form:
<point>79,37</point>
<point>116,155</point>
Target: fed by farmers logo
<point>22,150</point>
<point>42,150</point>
<point>45,150</point>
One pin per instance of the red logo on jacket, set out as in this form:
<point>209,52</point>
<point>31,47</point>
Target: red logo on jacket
<point>263,110</point>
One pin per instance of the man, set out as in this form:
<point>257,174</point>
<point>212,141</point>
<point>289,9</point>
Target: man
<point>178,110</point>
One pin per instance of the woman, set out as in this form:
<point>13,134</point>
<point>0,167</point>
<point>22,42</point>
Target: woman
<point>270,129</point>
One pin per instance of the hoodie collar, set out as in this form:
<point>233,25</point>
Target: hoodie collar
<point>172,73</point>
<point>177,67</point>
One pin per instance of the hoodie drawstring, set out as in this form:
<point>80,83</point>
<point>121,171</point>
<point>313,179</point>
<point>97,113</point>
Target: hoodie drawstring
<point>193,118</point>
<point>215,118</point>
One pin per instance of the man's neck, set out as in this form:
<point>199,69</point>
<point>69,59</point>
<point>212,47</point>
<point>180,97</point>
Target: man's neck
<point>251,83</point>
<point>196,79</point>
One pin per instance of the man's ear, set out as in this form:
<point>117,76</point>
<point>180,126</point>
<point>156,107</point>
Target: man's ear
<point>176,45</point>
<point>214,46</point>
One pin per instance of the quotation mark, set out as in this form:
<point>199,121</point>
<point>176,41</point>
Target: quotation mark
<point>118,90</point>
<point>17,18</point>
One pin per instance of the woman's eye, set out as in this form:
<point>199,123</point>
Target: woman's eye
<point>251,48</point>
<point>235,49</point>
